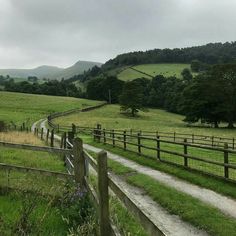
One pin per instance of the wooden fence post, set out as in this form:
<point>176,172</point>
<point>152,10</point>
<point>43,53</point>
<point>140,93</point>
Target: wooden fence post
<point>104,136</point>
<point>47,135</point>
<point>35,131</point>
<point>70,136</point>
<point>174,136</point>
<point>94,134</point>
<point>139,143</point>
<point>226,160</point>
<point>52,138</point>
<point>124,139</point>
<point>99,132</point>
<point>73,128</point>
<point>113,138</point>
<point>79,162</point>
<point>185,153</point>
<point>23,126</point>
<point>212,141</point>
<point>41,134</point>
<point>233,143</point>
<point>64,139</point>
<point>104,219</point>
<point>158,148</point>
<point>192,138</point>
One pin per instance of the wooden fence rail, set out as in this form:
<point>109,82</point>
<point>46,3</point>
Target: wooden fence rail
<point>105,181</point>
<point>213,141</point>
<point>144,145</point>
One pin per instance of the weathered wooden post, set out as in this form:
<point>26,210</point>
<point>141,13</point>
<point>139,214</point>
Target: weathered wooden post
<point>174,136</point>
<point>233,143</point>
<point>104,136</point>
<point>70,136</point>
<point>79,162</point>
<point>94,134</point>
<point>185,153</point>
<point>99,132</point>
<point>35,131</point>
<point>47,135</point>
<point>139,143</point>
<point>52,138</point>
<point>64,139</point>
<point>226,160</point>
<point>41,135</point>
<point>23,126</point>
<point>73,128</point>
<point>212,141</point>
<point>124,135</point>
<point>158,148</point>
<point>104,219</point>
<point>113,138</point>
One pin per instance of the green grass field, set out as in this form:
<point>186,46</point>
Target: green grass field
<point>153,120</point>
<point>166,70</point>
<point>44,217</point>
<point>110,118</point>
<point>19,107</point>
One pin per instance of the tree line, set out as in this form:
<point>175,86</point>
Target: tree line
<point>210,97</point>
<point>212,53</point>
<point>53,87</point>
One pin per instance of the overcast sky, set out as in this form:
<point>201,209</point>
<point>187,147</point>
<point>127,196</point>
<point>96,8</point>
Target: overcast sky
<point>61,32</point>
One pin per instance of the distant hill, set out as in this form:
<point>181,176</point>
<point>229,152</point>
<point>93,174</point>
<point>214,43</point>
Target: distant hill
<point>78,68</point>
<point>50,72</point>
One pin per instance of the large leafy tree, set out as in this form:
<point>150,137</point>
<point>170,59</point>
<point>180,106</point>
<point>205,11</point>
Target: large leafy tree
<point>212,97</point>
<point>131,98</point>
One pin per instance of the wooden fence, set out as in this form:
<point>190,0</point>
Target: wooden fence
<point>77,161</point>
<point>214,161</point>
<point>81,159</point>
<point>42,172</point>
<point>213,141</point>
<point>57,127</point>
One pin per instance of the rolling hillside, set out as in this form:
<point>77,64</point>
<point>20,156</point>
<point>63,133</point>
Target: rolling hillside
<point>150,70</point>
<point>78,68</point>
<point>50,72</point>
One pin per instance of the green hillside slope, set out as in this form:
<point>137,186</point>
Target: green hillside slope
<point>150,70</point>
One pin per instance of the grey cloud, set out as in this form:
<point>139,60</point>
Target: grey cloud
<point>60,32</point>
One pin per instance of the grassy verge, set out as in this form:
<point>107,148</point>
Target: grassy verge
<point>122,218</point>
<point>212,183</point>
<point>188,208</point>
<point>34,204</point>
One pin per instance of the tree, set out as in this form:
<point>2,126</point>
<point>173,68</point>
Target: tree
<point>195,65</point>
<point>186,73</point>
<point>98,88</point>
<point>131,97</point>
<point>211,97</point>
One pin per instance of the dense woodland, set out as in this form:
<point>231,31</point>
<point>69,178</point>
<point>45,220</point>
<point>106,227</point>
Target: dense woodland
<point>213,53</point>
